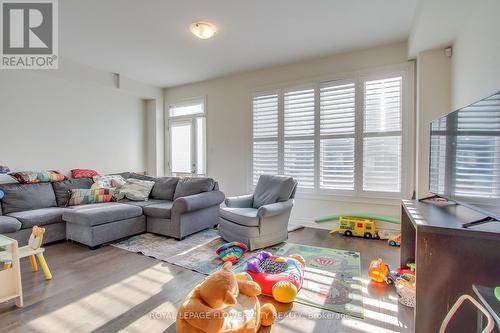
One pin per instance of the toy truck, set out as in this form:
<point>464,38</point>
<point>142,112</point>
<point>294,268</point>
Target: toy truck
<point>353,226</point>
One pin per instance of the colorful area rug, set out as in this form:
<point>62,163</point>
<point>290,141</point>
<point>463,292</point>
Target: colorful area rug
<point>331,282</point>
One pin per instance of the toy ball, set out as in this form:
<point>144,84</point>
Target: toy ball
<point>231,252</point>
<point>244,276</point>
<point>284,292</point>
<point>378,270</point>
<point>1,195</point>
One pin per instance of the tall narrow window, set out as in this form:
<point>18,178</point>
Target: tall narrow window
<point>337,135</point>
<point>299,136</point>
<point>265,135</point>
<point>187,140</point>
<point>382,135</point>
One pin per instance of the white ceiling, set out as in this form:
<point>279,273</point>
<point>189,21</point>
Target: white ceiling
<point>149,40</point>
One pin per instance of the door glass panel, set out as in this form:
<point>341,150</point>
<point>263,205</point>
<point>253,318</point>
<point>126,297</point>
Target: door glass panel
<point>200,145</point>
<point>181,147</point>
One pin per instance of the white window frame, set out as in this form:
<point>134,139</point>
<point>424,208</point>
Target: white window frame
<point>406,71</point>
<point>191,118</point>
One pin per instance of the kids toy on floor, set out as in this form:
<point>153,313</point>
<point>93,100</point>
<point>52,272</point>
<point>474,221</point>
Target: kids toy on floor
<point>224,304</point>
<point>33,250</point>
<point>404,278</point>
<point>231,251</point>
<point>280,277</point>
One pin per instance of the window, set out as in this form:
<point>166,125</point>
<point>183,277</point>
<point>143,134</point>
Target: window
<point>341,137</point>
<point>187,129</point>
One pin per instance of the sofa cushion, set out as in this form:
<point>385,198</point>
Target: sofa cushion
<point>61,189</point>
<point>243,216</point>
<point>190,186</point>
<point>39,217</point>
<point>164,188</point>
<point>9,224</point>
<point>272,189</point>
<point>161,210</point>
<point>141,203</point>
<point>96,214</point>
<point>21,197</point>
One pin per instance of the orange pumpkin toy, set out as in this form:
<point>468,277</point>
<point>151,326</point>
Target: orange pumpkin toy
<point>378,270</point>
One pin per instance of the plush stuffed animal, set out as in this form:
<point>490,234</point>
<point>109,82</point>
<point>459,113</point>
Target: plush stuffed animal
<point>224,304</point>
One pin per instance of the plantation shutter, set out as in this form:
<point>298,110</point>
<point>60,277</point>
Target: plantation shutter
<point>265,136</point>
<point>382,135</point>
<point>477,160</point>
<point>337,135</point>
<point>299,136</point>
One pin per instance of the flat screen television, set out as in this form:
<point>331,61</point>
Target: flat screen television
<point>464,164</point>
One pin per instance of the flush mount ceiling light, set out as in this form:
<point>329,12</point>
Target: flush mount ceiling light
<point>203,30</point>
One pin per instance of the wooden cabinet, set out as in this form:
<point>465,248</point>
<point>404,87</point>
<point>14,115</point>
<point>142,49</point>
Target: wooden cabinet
<point>449,260</point>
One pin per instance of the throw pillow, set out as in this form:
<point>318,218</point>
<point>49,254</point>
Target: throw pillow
<point>83,173</point>
<point>135,189</point>
<point>7,179</point>
<point>26,177</point>
<point>50,176</point>
<point>191,186</point>
<point>106,181</point>
<point>89,196</point>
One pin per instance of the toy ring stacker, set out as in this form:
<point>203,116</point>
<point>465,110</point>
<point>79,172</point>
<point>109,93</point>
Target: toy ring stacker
<point>231,251</point>
<point>280,277</point>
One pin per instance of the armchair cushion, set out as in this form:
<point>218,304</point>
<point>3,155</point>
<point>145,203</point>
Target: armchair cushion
<point>272,189</point>
<point>242,201</point>
<point>197,201</point>
<point>242,216</point>
<point>275,209</point>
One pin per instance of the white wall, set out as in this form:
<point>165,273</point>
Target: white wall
<point>433,101</point>
<point>229,120</point>
<point>476,56</point>
<point>74,117</point>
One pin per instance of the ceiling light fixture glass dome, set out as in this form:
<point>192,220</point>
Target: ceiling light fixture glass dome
<point>203,30</point>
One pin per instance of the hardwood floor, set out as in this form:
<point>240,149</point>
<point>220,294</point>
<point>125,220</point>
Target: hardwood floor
<point>110,290</point>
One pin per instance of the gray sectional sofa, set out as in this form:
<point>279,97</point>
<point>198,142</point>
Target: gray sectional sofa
<point>176,208</point>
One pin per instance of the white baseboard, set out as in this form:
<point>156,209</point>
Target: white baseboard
<point>306,222</point>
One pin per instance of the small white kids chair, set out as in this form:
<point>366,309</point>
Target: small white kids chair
<point>34,248</point>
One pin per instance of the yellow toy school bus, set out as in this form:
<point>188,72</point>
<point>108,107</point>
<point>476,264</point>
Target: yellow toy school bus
<point>353,226</point>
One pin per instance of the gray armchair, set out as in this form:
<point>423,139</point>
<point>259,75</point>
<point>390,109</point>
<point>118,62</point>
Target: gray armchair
<point>260,219</point>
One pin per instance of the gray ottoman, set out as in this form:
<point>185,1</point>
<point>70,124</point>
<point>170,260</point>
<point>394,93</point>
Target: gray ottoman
<point>96,224</point>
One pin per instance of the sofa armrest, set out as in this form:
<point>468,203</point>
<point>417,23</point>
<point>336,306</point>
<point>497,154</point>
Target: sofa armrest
<point>275,209</point>
<point>197,201</point>
<point>242,201</point>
